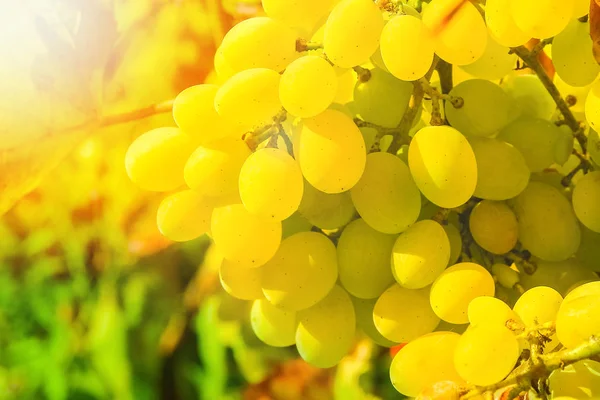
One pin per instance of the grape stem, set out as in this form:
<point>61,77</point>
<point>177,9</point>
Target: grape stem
<point>364,74</point>
<point>436,96</point>
<point>303,45</point>
<point>528,266</point>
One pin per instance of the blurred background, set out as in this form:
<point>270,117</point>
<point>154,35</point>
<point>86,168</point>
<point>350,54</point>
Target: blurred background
<point>94,302</point>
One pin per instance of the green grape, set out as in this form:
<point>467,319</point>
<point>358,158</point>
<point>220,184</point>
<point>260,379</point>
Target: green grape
<point>538,306</point>
<point>326,330</point>
<point>454,289</point>
<point>420,254</point>
<point>571,55</point>
<point>577,381</point>
<point>244,238</point>
<point>455,243</point>
<point>302,272</point>
<point>536,140</point>
<point>363,308</point>
<point>502,172</point>
<point>530,97</point>
<point>485,110</point>
<point>155,160</point>
<point>293,224</point>
<point>433,353</point>
<point>578,317</point>
<point>589,251</point>
<point>563,148</point>
<point>377,59</point>
<point>308,86</point>
<point>495,63</point>
<point>501,24</point>
<point>594,146</point>
<point>331,152</point>
<point>488,310</point>
<point>249,98</point>
<point>214,169</point>
<point>506,276</point>
<point>271,184</point>
<point>406,47</point>
<point>302,14</point>
<point>382,99</point>
<point>587,289</point>
<point>443,165</point>
<point>364,260</point>
<point>241,281</point>
<point>184,215</point>
<point>386,196</point>
<point>494,226</point>
<point>586,198</point>
<point>547,224</point>
<point>558,275</point>
<point>326,211</point>
<point>485,354</point>
<point>542,19</point>
<point>272,325</point>
<point>259,42</point>
<point>592,107</point>
<point>352,32</point>
<point>463,38</point>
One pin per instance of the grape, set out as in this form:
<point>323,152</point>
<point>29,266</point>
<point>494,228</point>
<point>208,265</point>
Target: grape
<point>406,47</point>
<point>259,42</point>
<point>326,211</point>
<point>402,315</point>
<point>272,325</point>
<point>222,68</point>
<point>536,140</point>
<point>386,196</point>
<point>240,281</point>
<point>382,99</point>
<point>420,254</point>
<point>502,172</point>
<point>433,353</point>
<point>485,110</point>
<point>487,310</point>
<point>563,148</point>
<point>271,184</point>
<point>588,289</point>
<point>214,169</point>
<point>308,86</point>
<point>326,330</point>
<point>485,354</point>
<point>506,276</point>
<point>293,224</point>
<point>586,198</point>
<point>578,93</point>
<point>573,60</point>
<point>494,226</point>
<point>495,63</point>
<point>155,160</point>
<point>352,32</point>
<point>579,380</point>
<point>463,37</point>
<point>443,165</point>
<point>443,390</point>
<point>538,306</point>
<point>298,13</point>
<point>249,98</point>
<point>592,106</point>
<point>579,316</point>
<point>364,260</point>
<point>244,238</point>
<point>345,87</point>
<point>331,152</point>
<point>184,216</point>
<point>302,272</point>
<point>501,24</point>
<point>589,251</point>
<point>542,18</point>
<point>454,289</point>
<point>363,308</point>
<point>594,146</point>
<point>547,224</point>
<point>455,243</point>
<point>531,99</point>
<point>558,275</point>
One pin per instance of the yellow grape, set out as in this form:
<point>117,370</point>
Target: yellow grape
<point>155,160</point>
<point>502,172</point>
<point>580,8</point>
<point>302,14</point>
<point>308,86</point>
<point>259,42</point>
<point>494,226</point>
<point>420,254</point>
<point>400,323</point>
<point>586,200</point>
<point>184,215</point>
<point>364,260</point>
<point>425,361</point>
<point>443,165</point>
<point>302,272</point>
<point>195,114</point>
<point>571,55</point>
<point>345,87</point>
<point>495,63</point>
<point>485,354</point>
<point>589,251</point>
<point>578,317</point>
<point>240,281</point>
<point>577,381</point>
<point>406,47</point>
<point>326,330</point>
<point>386,196</point>
<point>530,97</point>
<point>501,24</point>
<point>271,184</point>
<point>579,94</point>
<point>326,211</point>
<point>293,224</point>
<point>244,238</point>
<point>272,325</point>
<point>506,276</point>
<point>442,390</point>
<point>561,275</point>
<point>352,32</point>
<point>538,306</point>
<point>455,242</point>
<point>592,107</point>
<point>541,19</point>
<point>548,227</point>
<point>588,289</point>
<point>454,289</point>
<point>331,152</point>
<point>488,310</point>
<point>363,309</point>
<point>214,168</point>
<point>249,98</point>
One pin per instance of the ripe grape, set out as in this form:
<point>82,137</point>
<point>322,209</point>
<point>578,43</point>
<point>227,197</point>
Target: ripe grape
<point>298,13</point>
<point>241,281</point>
<point>494,226</point>
<point>571,55</point>
<point>363,308</point>
<point>577,381</point>
<point>272,325</point>
<point>592,107</point>
<point>326,211</point>
<point>578,317</point>
<point>538,306</point>
<point>589,251</point>
<point>502,25</point>
<point>531,99</point>
<point>506,276</point>
<point>541,18</point>
<point>184,215</point>
<point>561,276</point>
<point>495,63</point>
<point>586,198</point>
<point>455,242</point>
<point>487,310</point>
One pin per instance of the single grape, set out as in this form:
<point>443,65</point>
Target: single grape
<point>592,107</point>
<point>505,275</point>
<point>488,310</point>
<point>298,13</point>
<point>561,276</point>
<point>345,86</point>
<point>586,198</point>
<point>538,306</point>
<point>496,62</point>
<point>531,99</point>
<point>272,325</point>
<point>578,317</point>
<point>494,226</point>
<point>293,224</point>
<point>571,55</point>
<point>502,25</point>
<point>541,19</point>
<point>576,381</point>
<point>455,243</point>
<point>240,281</point>
<point>326,211</point>
<point>589,251</point>
<point>363,308</point>
<point>184,215</point>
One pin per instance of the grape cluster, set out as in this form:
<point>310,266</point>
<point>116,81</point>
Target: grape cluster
<point>337,198</point>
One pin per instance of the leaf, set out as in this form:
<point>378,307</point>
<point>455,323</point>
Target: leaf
<point>594,18</point>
